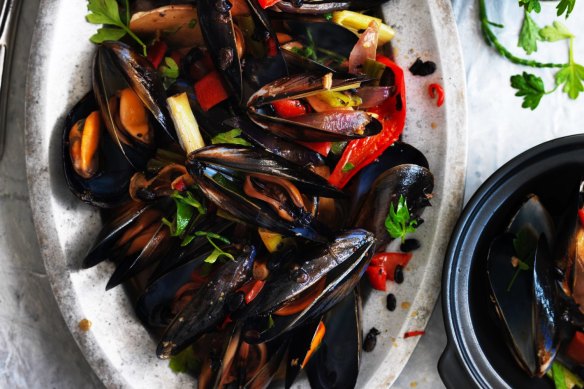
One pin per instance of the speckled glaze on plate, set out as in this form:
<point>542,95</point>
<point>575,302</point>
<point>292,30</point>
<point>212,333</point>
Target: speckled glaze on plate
<point>118,348</point>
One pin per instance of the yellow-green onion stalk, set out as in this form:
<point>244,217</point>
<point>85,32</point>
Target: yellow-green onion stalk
<point>185,123</point>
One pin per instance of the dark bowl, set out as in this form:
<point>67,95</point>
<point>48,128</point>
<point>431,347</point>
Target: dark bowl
<point>476,354</point>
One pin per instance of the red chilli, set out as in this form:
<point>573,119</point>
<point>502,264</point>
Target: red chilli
<point>436,90</point>
<point>410,334</point>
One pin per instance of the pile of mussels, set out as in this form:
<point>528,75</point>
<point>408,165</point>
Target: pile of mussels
<point>264,269</point>
<point>536,275</point>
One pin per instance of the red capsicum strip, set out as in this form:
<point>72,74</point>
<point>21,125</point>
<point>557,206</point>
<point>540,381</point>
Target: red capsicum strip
<point>575,349</point>
<point>267,3</point>
<point>323,148</point>
<point>581,216</point>
<point>410,334</point>
<point>289,108</point>
<point>210,90</point>
<point>436,89</point>
<point>156,53</point>
<point>392,115</point>
<point>382,268</point>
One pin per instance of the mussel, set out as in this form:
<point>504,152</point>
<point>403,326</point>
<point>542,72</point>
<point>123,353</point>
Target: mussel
<point>129,92</point>
<point>324,125</point>
<point>523,293</point>
<point>94,167</point>
<point>308,287</point>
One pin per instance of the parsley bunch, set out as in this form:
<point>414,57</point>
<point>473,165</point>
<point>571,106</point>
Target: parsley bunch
<point>530,87</point>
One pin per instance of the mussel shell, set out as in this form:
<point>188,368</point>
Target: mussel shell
<point>300,342</point>
<point>319,7</point>
<point>342,263</point>
<point>415,183</point>
<point>330,36</point>
<point>253,160</point>
<point>528,310</point>
<point>153,307</point>
<point>534,215</point>
<point>206,309</point>
<point>398,153</point>
<point>118,66</point>
<point>336,363</point>
<point>109,186</point>
<point>251,211</point>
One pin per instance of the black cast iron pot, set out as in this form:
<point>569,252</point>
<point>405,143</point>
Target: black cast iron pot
<point>476,354</point>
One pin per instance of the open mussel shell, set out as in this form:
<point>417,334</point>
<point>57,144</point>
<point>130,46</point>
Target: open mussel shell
<point>331,125</point>
<point>253,160</point>
<point>329,274</point>
<point>336,363</point>
<point>116,67</point>
<point>154,305</point>
<point>319,7</point>
<point>206,309</point>
<point>415,183</point>
<point>525,304</point>
<point>533,215</point>
<point>108,187</point>
<point>225,193</point>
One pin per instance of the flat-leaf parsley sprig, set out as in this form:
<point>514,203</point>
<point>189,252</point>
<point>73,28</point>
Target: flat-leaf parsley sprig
<point>107,12</point>
<point>399,222</point>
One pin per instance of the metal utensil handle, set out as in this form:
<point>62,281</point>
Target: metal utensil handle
<point>8,25</point>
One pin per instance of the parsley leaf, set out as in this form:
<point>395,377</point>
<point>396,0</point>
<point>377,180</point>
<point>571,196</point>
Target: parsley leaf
<point>107,12</point>
<point>524,245</point>
<point>169,68</point>
<point>186,204</point>
<point>217,251</point>
<point>566,6</point>
<point>556,32</point>
<point>398,221</point>
<point>529,34</point>
<point>232,137</point>
<point>530,5</point>
<point>184,362</point>
<point>571,76</point>
<point>348,167</point>
<point>530,87</point>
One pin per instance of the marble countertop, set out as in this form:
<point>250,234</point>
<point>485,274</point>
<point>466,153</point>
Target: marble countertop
<point>39,352</point>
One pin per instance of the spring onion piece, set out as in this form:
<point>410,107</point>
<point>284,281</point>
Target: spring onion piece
<point>184,121</point>
<point>355,22</point>
<point>373,69</point>
<point>338,99</point>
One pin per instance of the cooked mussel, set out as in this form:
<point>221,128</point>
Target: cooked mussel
<point>95,169</point>
<point>415,183</point>
<point>308,287</point>
<point>129,92</point>
<point>523,291</point>
<point>206,308</point>
<point>326,124</point>
<point>319,7</point>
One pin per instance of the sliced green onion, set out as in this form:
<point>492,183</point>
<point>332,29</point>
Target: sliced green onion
<point>185,123</point>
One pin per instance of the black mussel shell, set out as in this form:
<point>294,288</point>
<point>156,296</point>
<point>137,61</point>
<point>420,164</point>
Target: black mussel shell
<point>336,363</point>
<point>250,160</point>
<point>415,183</point>
<point>206,309</point>
<point>340,265</point>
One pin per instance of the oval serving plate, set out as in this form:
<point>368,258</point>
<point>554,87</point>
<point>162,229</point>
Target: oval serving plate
<point>118,348</point>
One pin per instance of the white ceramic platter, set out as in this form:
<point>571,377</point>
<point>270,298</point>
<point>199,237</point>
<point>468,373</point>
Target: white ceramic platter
<point>118,348</point>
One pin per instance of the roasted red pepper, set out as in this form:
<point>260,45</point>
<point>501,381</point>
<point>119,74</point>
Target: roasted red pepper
<point>251,290</point>
<point>581,216</point>
<point>575,349</point>
<point>267,3</point>
<point>210,90</point>
<point>392,115</point>
<point>436,89</point>
<point>377,276</point>
<point>323,148</point>
<point>156,53</point>
<point>410,334</point>
<point>389,261</point>
<point>289,108</point>
<point>382,268</point>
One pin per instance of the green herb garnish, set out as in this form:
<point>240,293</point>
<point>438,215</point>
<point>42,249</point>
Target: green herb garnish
<point>348,167</point>
<point>169,71</point>
<point>217,251</point>
<point>398,221</point>
<point>566,6</point>
<point>271,321</point>
<point>107,12</point>
<point>192,23</point>
<point>530,87</point>
<point>185,362</point>
<point>524,244</point>
<point>530,5</point>
<point>186,204</point>
<point>529,34</point>
<point>232,137</point>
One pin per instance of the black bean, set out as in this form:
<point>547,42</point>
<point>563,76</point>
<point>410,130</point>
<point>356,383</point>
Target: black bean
<point>371,340</point>
<point>422,68</point>
<point>410,245</point>
<point>398,276</point>
<point>391,302</point>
